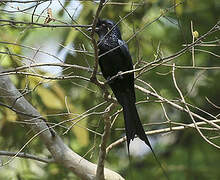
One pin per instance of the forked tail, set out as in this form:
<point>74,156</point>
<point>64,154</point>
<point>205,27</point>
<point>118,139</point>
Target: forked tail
<point>133,124</point>
<point>134,127</point>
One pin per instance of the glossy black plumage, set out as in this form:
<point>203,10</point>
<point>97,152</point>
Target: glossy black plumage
<point>114,57</point>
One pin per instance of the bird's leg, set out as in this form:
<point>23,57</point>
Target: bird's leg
<point>120,76</point>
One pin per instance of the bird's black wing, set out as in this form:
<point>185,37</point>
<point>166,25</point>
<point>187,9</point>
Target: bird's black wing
<point>127,65</point>
<point>125,52</point>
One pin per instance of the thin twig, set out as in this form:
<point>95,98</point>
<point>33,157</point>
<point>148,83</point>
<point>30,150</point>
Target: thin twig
<point>12,22</point>
<point>193,40</point>
<point>189,112</point>
<point>74,66</point>
<point>161,61</point>
<point>159,131</point>
<point>176,105</point>
<point>27,156</point>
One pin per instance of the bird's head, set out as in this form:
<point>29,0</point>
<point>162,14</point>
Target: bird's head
<point>105,28</point>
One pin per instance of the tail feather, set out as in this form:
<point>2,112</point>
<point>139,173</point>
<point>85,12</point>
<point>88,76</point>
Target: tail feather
<point>133,124</point>
<point>134,127</point>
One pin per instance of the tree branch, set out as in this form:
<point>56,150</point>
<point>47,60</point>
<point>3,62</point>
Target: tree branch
<point>105,136</point>
<point>176,105</point>
<point>12,22</point>
<point>95,47</point>
<point>164,130</point>
<point>61,153</point>
<point>27,156</point>
<point>188,110</point>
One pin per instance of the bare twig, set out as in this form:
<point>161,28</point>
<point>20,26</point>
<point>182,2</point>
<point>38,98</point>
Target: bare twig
<point>193,40</point>
<point>214,105</point>
<point>189,112</point>
<point>161,61</point>
<point>26,156</point>
<point>164,130</point>
<point>74,66</point>
<point>46,77</point>
<point>12,22</point>
<point>176,106</point>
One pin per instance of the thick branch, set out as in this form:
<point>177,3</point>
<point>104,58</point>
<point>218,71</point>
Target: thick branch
<point>101,4</point>
<point>61,153</point>
<point>105,136</point>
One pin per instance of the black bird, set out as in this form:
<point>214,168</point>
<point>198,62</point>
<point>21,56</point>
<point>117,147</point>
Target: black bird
<point>114,58</point>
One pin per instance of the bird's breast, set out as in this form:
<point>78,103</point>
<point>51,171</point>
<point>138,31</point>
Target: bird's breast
<point>109,62</point>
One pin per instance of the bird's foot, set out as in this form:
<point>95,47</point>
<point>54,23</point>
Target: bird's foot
<point>120,76</point>
<point>117,76</point>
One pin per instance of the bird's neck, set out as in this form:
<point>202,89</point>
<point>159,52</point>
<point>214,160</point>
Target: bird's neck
<point>108,41</point>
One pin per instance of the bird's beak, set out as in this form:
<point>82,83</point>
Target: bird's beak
<point>90,29</point>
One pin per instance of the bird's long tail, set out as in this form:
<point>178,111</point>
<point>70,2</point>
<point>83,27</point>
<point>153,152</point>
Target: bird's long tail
<point>134,127</point>
<point>133,124</point>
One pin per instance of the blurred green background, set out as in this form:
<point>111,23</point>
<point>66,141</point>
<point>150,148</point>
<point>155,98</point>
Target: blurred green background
<point>184,154</point>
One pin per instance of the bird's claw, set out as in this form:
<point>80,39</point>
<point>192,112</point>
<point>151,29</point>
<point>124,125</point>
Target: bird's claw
<point>120,76</point>
<point>111,79</point>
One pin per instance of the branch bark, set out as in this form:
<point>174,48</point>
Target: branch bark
<point>105,136</point>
